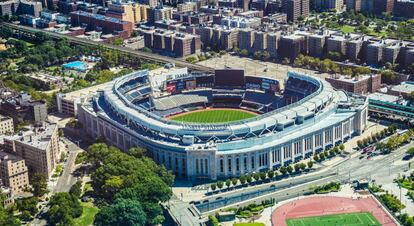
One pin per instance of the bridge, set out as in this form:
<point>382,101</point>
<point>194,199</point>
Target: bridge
<point>29,31</point>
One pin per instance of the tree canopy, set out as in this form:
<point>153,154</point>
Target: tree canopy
<point>132,180</point>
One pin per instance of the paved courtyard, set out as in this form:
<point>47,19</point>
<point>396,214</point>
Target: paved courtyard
<point>255,67</point>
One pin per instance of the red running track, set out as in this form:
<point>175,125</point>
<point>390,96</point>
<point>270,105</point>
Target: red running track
<point>325,205</point>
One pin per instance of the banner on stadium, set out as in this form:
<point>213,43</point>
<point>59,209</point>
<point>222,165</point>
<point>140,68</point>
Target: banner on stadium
<point>171,87</point>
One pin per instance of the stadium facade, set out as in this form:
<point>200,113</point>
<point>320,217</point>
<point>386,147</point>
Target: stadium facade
<point>307,117</point>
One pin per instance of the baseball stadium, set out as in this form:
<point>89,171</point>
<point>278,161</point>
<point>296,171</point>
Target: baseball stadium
<point>223,124</point>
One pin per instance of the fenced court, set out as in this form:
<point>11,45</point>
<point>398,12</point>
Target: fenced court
<point>331,211</point>
<point>346,219</point>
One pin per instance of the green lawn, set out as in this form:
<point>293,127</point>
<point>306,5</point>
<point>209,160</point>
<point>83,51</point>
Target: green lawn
<point>349,219</point>
<point>248,224</point>
<point>88,215</point>
<point>347,29</point>
<point>214,116</point>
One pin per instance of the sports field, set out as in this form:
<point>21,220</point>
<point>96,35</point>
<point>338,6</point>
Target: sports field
<point>346,219</point>
<point>213,116</point>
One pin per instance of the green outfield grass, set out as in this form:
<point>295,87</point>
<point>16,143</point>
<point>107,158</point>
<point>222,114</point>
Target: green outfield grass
<point>347,219</point>
<point>214,116</point>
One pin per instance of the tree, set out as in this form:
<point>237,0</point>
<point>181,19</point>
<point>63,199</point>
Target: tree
<point>297,167</point>
<point>360,143</point>
<point>213,187</point>
<point>234,181</point>
<point>262,176</point>
<point>310,164</point>
<point>249,179</point>
<point>76,189</point>
<point>389,77</point>
<point>28,204</point>
<point>118,41</point>
<point>289,169</point>
<point>283,170</point>
<point>228,183</point>
<point>244,52</point>
<point>124,212</point>
<point>138,152</point>
<point>271,174</point>
<point>243,180</point>
<point>342,147</point>
<point>302,166</point>
<point>39,184</point>
<point>220,184</point>
<point>316,158</point>
<point>322,155</point>
<point>63,208</point>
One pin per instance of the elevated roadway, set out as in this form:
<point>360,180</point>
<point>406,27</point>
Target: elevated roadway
<point>19,29</point>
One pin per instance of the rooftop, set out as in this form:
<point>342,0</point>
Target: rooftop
<point>38,137</point>
<point>404,87</point>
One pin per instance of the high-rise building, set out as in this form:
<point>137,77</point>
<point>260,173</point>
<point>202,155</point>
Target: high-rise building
<point>328,5</point>
<point>272,43</point>
<point>295,9</point>
<point>246,39</point>
<point>317,45</point>
<point>404,8</point>
<point>291,46</point>
<point>39,147</point>
<point>354,5</point>
<point>131,12</point>
<point>6,125</point>
<point>13,172</point>
<point>159,13</point>
<point>30,7</point>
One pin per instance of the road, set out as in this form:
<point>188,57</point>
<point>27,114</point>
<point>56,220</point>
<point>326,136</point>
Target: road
<point>64,183</point>
<point>349,170</point>
<point>143,55</point>
<point>66,180</point>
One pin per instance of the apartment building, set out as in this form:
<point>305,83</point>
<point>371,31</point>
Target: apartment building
<point>13,173</point>
<point>404,8</point>
<point>20,7</point>
<point>97,22</point>
<point>328,5</point>
<point>219,37</point>
<point>39,147</point>
<point>6,125</point>
<point>187,7</point>
<point>159,13</point>
<point>290,46</point>
<point>131,12</point>
<point>178,44</point>
<point>296,8</point>
<point>22,108</point>
<point>273,43</point>
<point>317,45</point>
<point>246,39</point>
<point>354,5</point>
<point>360,84</point>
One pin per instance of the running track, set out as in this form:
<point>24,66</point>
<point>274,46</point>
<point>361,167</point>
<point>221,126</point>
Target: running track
<point>317,206</point>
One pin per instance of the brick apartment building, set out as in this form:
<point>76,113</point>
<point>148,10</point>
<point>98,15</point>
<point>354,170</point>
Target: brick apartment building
<point>107,25</point>
<point>359,85</point>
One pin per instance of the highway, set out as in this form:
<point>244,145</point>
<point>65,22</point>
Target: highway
<point>143,55</point>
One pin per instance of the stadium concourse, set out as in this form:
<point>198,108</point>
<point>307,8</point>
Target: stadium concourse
<point>306,117</point>
<point>336,210</point>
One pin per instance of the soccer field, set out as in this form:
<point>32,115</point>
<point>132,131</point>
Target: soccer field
<point>347,219</point>
<point>214,116</point>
